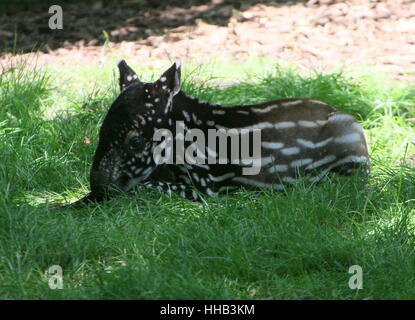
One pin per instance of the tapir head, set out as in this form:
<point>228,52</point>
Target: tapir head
<point>124,155</point>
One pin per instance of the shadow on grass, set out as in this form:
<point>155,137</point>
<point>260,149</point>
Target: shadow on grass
<point>25,27</point>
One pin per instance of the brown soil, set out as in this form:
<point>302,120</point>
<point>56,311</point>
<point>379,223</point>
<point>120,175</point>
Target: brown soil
<point>315,33</point>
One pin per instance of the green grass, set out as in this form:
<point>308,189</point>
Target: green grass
<point>267,245</point>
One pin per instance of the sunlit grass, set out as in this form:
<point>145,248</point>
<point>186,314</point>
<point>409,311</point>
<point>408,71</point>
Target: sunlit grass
<point>297,244</point>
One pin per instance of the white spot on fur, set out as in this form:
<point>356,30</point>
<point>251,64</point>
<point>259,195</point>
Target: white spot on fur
<point>186,116</point>
<point>284,125</point>
<point>338,117</point>
<point>312,145</point>
<point>348,159</point>
<point>272,145</point>
<point>196,120</point>
<point>278,168</point>
<point>195,176</point>
<point>203,166</point>
<point>321,162</point>
<point>266,109</point>
<point>300,162</point>
<point>348,138</point>
<point>267,160</point>
<point>209,192</point>
<point>290,151</point>
<point>292,103</point>
<point>289,179</point>
<point>307,124</point>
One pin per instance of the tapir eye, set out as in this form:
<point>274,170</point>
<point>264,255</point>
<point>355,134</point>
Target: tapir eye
<point>136,143</point>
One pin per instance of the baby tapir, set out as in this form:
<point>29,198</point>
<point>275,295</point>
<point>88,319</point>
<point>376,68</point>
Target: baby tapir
<point>158,136</point>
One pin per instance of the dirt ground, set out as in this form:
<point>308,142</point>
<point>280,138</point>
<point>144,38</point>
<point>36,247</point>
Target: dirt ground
<point>317,33</point>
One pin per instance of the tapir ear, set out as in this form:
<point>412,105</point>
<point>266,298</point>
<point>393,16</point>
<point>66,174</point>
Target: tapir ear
<point>170,79</point>
<point>127,75</point>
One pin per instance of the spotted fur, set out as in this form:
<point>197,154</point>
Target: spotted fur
<point>299,138</point>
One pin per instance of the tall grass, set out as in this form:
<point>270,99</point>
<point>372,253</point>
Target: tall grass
<point>298,244</point>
